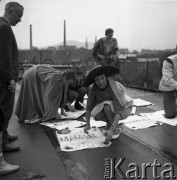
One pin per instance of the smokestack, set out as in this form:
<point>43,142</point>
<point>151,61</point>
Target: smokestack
<point>95,39</point>
<point>64,42</point>
<point>86,44</point>
<point>31,38</point>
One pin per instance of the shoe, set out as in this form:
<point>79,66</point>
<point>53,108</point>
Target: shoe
<point>12,137</point>
<point>6,168</point>
<point>9,137</point>
<point>78,106</point>
<point>117,133</point>
<point>10,148</point>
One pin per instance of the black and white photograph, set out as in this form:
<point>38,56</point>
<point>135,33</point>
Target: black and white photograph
<point>88,89</point>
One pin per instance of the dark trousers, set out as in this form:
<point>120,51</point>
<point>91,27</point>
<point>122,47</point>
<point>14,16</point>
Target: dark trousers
<point>169,103</point>
<point>77,95</point>
<point>6,107</point>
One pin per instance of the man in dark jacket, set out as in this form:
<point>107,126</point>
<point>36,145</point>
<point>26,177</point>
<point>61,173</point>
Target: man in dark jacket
<point>8,79</point>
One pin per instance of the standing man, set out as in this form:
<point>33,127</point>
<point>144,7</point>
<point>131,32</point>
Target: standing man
<point>8,79</point>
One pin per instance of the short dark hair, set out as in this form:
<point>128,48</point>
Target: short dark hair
<point>109,30</point>
<point>11,5</point>
<point>70,74</point>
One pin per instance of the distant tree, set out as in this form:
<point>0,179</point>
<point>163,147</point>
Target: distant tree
<point>135,52</point>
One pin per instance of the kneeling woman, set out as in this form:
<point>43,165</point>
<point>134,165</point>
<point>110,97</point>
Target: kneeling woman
<point>107,100</point>
<point>42,92</point>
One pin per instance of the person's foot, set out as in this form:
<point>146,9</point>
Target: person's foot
<point>10,148</point>
<point>6,168</point>
<point>116,133</point>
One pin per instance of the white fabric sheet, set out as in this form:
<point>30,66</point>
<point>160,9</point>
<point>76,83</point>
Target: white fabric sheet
<point>94,123</point>
<point>70,124</point>
<point>138,122</point>
<point>159,117</point>
<point>78,140</point>
<point>141,102</point>
<point>73,115</point>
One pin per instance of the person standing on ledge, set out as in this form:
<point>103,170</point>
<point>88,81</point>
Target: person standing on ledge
<point>8,78</point>
<point>106,52</point>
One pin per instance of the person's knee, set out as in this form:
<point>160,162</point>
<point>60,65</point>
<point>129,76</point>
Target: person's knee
<point>82,91</point>
<point>73,95</point>
<point>107,108</point>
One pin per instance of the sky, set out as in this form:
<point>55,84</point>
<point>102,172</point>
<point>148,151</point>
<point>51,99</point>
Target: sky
<point>137,24</point>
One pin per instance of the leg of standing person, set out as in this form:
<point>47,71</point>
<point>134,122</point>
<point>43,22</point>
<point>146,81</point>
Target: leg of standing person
<point>117,77</point>
<point>5,168</point>
<point>169,103</point>
<point>7,104</point>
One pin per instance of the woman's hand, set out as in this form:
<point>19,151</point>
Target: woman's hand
<point>87,127</point>
<point>58,116</point>
<point>12,86</point>
<point>63,112</point>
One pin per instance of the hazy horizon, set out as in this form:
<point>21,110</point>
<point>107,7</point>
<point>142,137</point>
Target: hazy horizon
<point>137,24</point>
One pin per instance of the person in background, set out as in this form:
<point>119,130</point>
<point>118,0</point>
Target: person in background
<point>106,52</point>
<point>107,100</point>
<point>8,78</point>
<point>168,85</point>
<point>77,90</point>
<point>42,93</point>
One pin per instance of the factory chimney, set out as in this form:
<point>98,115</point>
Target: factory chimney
<point>31,38</point>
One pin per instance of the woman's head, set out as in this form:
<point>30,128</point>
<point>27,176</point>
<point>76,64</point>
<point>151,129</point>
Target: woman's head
<point>101,81</point>
<point>69,76</point>
<point>109,33</point>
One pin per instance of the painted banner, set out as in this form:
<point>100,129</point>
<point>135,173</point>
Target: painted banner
<point>138,122</point>
<point>78,140</point>
<point>159,116</point>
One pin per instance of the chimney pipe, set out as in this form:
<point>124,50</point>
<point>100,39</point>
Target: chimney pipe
<point>64,42</point>
<point>31,38</point>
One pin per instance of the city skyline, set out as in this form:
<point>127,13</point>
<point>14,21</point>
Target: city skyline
<point>137,24</point>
